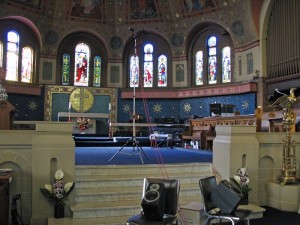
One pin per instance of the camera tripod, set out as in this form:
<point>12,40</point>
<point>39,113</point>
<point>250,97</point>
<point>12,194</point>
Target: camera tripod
<point>135,144</point>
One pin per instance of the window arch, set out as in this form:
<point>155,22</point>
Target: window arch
<point>82,61</point>
<point>211,52</point>
<point>150,64</point>
<point>19,48</point>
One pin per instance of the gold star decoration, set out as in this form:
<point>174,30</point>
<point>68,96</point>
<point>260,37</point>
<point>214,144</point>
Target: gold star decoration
<point>126,108</point>
<point>32,105</point>
<point>245,105</point>
<point>157,108</point>
<point>187,107</point>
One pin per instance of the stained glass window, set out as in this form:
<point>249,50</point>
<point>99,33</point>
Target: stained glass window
<point>199,68</point>
<point>212,59</point>
<point>97,71</point>
<point>27,68</point>
<point>162,71</point>
<point>12,56</point>
<point>134,71</point>
<point>148,65</point>
<point>226,65</point>
<point>82,55</point>
<point>1,54</point>
<point>66,69</point>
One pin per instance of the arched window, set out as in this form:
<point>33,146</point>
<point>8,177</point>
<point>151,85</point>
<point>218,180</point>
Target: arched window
<point>81,71</point>
<point>26,69</point>
<point>12,56</point>
<point>162,71</point>
<point>66,70</point>
<point>226,65</point>
<point>148,65</point>
<point>212,56</point>
<point>212,59</point>
<point>147,62</point>
<point>134,71</point>
<point>19,47</point>
<point>199,68</point>
<point>97,71</point>
<point>81,60</point>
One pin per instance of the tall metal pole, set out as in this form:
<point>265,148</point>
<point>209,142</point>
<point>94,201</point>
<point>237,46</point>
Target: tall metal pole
<point>134,83</point>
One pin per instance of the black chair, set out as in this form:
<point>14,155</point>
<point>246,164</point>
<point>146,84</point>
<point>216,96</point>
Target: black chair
<point>207,185</point>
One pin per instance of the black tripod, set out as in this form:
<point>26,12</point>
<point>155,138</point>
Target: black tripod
<point>137,149</point>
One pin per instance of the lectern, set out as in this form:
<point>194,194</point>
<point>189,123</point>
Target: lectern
<point>5,178</point>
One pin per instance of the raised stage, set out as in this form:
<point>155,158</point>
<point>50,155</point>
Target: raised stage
<point>91,150</point>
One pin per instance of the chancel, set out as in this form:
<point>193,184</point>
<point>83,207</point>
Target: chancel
<point>190,83</point>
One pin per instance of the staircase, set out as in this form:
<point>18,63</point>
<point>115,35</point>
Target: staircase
<point>109,195</point>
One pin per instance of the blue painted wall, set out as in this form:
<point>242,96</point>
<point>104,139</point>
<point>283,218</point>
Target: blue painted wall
<point>183,108</point>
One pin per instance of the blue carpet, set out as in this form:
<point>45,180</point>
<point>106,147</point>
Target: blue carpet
<point>143,155</point>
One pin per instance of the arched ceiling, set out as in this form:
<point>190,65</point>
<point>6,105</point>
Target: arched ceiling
<point>128,11</point>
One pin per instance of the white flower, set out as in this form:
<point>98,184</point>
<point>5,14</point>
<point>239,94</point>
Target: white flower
<point>68,186</point>
<point>59,174</point>
<point>48,187</point>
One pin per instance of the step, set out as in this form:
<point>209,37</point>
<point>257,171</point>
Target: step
<point>111,194</point>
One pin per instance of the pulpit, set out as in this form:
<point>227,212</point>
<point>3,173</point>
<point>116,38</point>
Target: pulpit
<point>6,115</point>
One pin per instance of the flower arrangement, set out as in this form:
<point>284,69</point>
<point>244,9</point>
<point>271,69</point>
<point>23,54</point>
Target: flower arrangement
<point>57,192</point>
<point>241,181</point>
<point>83,123</point>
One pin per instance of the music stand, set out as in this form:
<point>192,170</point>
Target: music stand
<point>135,143</point>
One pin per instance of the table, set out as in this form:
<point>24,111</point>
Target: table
<point>153,138</point>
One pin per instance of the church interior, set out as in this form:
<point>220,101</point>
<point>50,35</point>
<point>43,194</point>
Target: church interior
<point>213,84</point>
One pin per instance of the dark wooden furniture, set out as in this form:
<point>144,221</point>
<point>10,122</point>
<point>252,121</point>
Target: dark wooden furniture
<point>5,178</point>
<point>6,115</point>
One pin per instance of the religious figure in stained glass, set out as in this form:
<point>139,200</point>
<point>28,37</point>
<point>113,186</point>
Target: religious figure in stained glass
<point>212,60</point>
<point>134,71</point>
<point>26,69</point>
<point>162,71</point>
<point>81,65</point>
<point>148,74</point>
<point>12,55</point>
<point>199,68</point>
<point>66,69</point>
<point>226,65</point>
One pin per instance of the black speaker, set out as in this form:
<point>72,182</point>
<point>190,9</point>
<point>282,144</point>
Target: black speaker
<point>153,202</point>
<point>226,196</point>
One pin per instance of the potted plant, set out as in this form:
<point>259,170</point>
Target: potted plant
<point>241,180</point>
<point>57,193</point>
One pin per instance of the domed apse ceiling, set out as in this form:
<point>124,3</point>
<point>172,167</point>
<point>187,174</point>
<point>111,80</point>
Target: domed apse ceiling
<point>127,10</point>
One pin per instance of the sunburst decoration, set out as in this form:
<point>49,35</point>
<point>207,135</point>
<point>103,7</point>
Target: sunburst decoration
<point>32,105</point>
<point>157,108</point>
<point>187,107</point>
<point>126,108</point>
<point>245,105</point>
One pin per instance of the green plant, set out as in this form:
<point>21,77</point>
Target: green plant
<point>58,191</point>
<point>241,181</point>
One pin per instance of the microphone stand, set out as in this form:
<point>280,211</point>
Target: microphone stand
<point>135,143</point>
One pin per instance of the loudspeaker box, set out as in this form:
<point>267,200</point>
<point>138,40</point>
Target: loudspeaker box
<point>226,196</point>
<point>153,202</point>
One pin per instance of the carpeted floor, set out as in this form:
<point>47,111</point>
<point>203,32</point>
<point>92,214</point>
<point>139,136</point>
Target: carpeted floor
<point>142,155</point>
<point>276,217</point>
